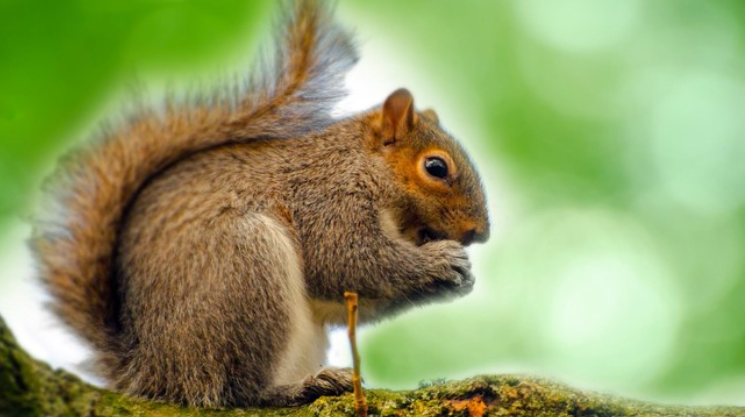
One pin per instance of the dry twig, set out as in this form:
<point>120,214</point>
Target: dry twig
<point>360,404</point>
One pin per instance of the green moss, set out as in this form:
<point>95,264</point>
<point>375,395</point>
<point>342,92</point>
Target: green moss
<point>17,378</point>
<point>29,388</point>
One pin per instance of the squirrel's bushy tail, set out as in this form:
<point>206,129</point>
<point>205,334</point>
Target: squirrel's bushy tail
<point>75,238</point>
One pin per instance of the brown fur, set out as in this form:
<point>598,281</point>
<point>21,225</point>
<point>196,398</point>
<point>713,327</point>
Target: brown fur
<point>195,248</point>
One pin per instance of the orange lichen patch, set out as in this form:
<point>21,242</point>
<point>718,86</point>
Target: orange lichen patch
<point>476,406</point>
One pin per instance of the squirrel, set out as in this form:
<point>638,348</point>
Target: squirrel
<point>203,249</point>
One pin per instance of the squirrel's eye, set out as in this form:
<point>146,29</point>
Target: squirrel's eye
<point>436,167</point>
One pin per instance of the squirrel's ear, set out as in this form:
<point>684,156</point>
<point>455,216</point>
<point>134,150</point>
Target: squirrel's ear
<point>431,115</point>
<point>398,116</point>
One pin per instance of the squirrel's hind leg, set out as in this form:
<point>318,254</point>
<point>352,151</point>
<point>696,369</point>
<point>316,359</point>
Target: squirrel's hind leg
<point>231,321</point>
<point>298,376</point>
<point>300,352</point>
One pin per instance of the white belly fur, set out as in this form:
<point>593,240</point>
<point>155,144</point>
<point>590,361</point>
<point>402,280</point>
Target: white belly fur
<point>305,351</point>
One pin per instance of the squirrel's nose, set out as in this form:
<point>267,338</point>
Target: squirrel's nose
<point>473,235</point>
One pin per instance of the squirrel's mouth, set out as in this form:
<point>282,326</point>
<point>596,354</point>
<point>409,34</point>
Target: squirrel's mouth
<point>425,235</point>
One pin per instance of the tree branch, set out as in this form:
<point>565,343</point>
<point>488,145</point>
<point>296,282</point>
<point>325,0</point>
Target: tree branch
<point>31,388</point>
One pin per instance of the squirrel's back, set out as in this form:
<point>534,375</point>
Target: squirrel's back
<point>75,241</point>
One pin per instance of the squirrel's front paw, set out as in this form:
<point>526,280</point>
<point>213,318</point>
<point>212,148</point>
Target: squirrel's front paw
<point>451,269</point>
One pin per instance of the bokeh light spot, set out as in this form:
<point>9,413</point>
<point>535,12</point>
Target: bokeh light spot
<point>579,25</point>
<point>592,294</point>
<point>606,305</point>
<point>697,141</point>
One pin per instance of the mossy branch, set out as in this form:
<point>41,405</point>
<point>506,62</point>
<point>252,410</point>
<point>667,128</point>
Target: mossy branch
<point>30,388</point>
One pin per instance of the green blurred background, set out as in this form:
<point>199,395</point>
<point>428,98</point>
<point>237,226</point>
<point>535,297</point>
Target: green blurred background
<point>610,134</point>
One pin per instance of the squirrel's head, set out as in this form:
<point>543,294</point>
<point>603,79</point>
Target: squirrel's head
<point>443,195</point>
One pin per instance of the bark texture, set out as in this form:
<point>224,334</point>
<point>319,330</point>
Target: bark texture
<point>30,388</point>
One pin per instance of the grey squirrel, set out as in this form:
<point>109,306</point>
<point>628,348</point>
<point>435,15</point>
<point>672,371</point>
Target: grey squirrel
<point>202,250</point>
